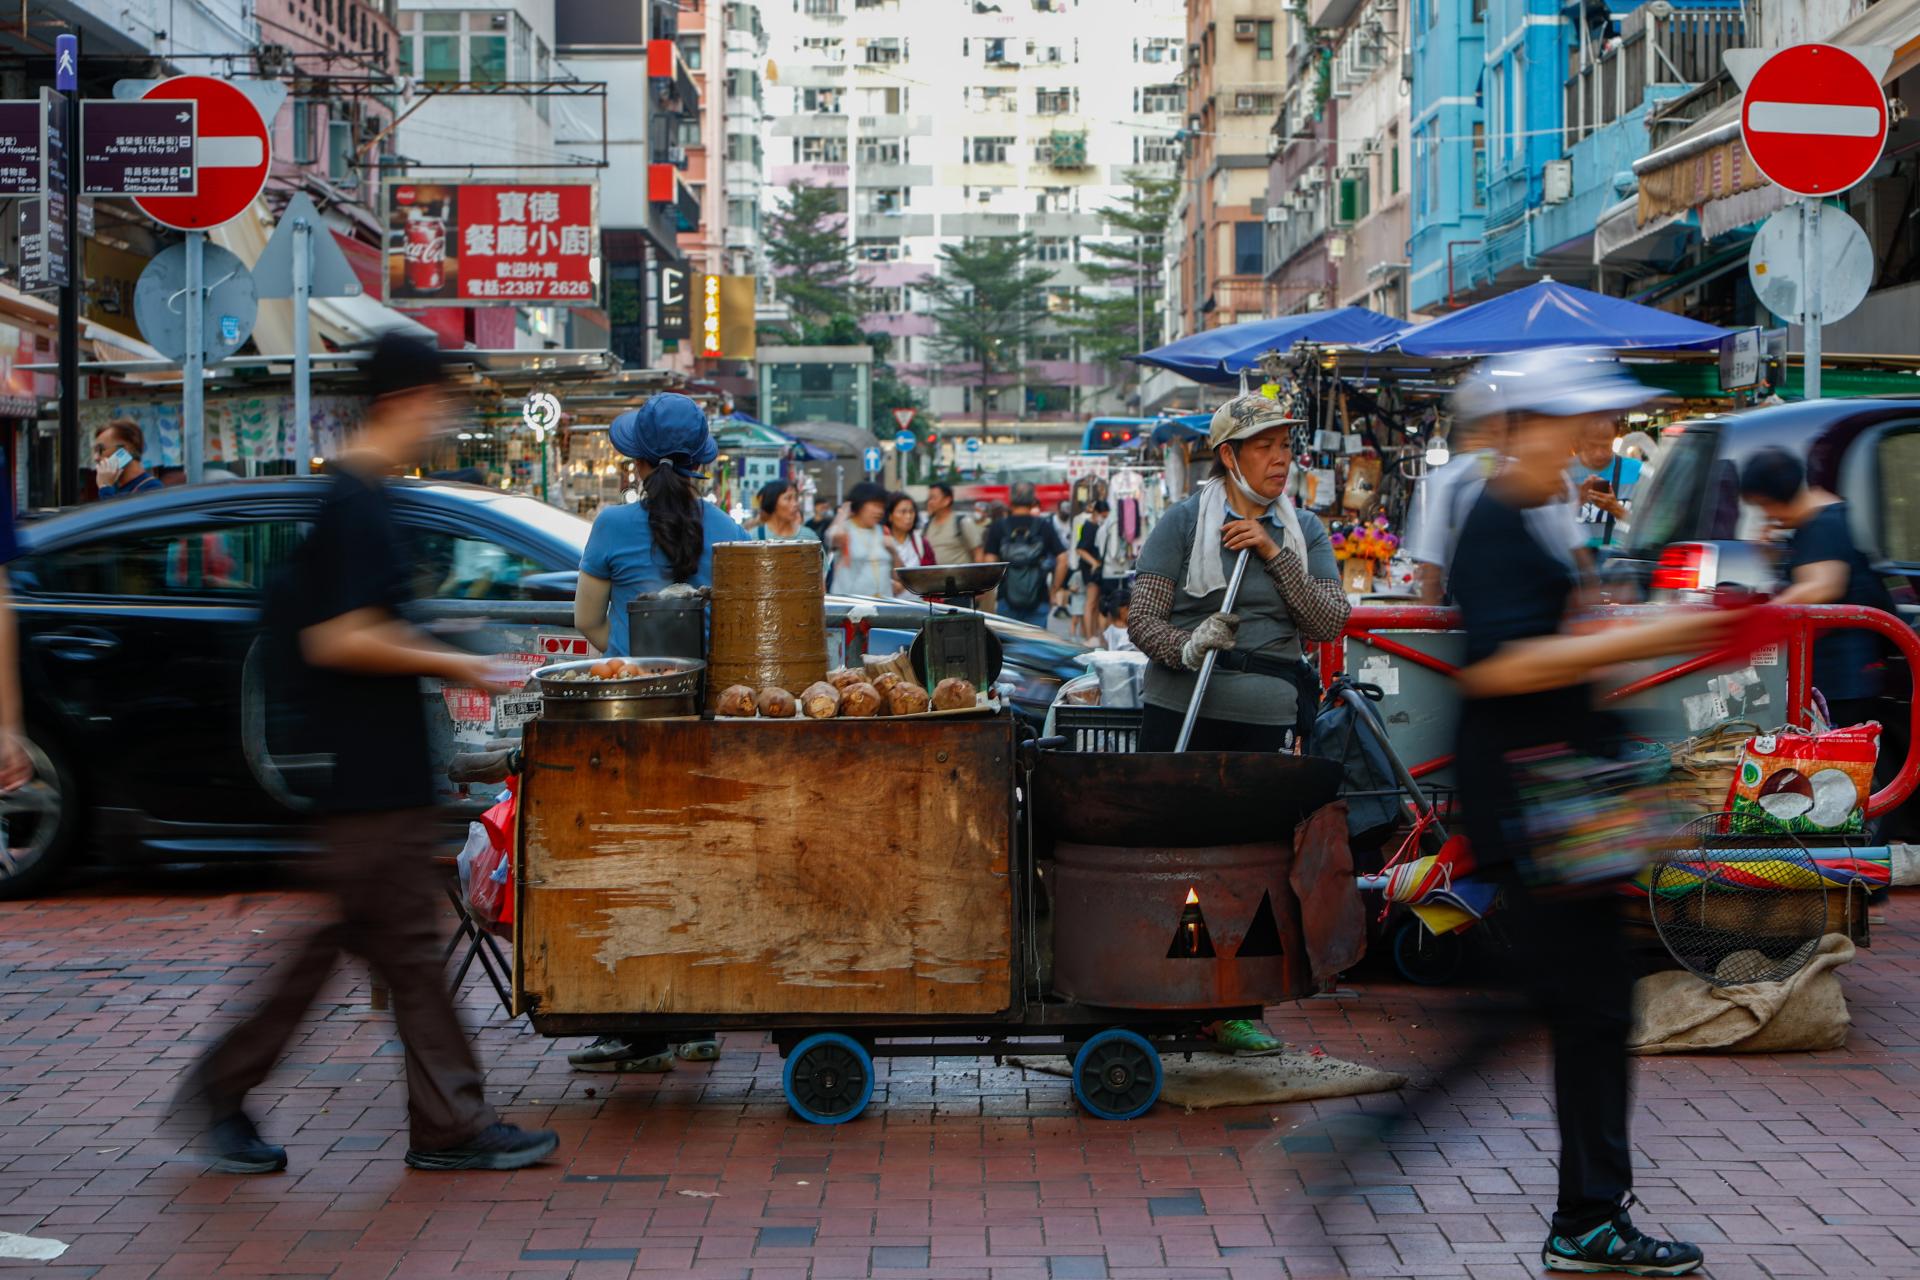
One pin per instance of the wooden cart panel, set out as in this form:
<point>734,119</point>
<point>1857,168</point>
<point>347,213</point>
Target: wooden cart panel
<point>687,866</point>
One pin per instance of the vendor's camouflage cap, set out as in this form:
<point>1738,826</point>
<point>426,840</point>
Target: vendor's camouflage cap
<point>1245,416</point>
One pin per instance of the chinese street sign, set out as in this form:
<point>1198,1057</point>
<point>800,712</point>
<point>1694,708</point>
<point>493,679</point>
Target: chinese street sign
<point>142,148</point>
<point>472,243</point>
<point>45,255</point>
<point>23,148</point>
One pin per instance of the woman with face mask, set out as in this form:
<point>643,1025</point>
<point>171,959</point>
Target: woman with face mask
<point>1289,592</point>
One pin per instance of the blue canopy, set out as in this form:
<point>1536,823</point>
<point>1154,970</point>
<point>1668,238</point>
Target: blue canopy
<point>1192,426</point>
<point>1550,314</point>
<point>1218,355</point>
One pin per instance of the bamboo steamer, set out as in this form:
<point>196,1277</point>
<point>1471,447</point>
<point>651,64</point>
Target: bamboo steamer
<point>769,617</point>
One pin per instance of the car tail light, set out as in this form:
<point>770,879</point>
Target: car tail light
<point>1685,566</point>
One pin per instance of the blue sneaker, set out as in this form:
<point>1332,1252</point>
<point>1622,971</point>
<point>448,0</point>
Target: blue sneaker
<point>1618,1247</point>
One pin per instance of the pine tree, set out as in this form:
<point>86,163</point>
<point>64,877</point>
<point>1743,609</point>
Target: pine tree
<point>807,246</point>
<point>1126,275</point>
<point>987,299</point>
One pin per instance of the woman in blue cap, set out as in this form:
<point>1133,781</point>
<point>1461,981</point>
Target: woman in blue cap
<point>664,538</point>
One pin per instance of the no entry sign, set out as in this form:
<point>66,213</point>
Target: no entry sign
<point>1813,116</point>
<point>231,155</point>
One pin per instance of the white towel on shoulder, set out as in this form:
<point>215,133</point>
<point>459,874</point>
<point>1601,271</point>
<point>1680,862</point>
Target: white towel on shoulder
<point>1205,575</point>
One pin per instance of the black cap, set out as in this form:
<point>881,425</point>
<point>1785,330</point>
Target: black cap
<point>398,362</point>
<point>864,492</point>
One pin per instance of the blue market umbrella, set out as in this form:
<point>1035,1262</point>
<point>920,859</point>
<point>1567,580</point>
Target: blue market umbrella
<point>1550,314</point>
<point>1192,426</point>
<point>1218,355</point>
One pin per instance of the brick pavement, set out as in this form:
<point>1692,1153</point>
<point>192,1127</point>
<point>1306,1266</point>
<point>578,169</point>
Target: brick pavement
<point>1791,1166</point>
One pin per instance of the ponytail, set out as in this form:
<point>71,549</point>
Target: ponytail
<point>674,518</point>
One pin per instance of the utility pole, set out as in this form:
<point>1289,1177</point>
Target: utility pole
<point>66,77</point>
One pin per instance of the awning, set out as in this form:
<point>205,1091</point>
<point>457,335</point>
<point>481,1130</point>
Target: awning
<point>839,439</point>
<point>1218,355</point>
<point>1619,237</point>
<point>1707,162</point>
<point>1550,314</point>
<point>1193,426</point>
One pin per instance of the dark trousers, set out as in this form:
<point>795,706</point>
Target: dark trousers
<point>389,897</point>
<point>1160,730</point>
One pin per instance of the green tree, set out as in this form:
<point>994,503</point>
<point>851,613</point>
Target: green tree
<point>1121,314</point>
<point>987,300</point>
<point>806,238</point>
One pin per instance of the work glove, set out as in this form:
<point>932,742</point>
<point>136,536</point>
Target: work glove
<point>1214,633</point>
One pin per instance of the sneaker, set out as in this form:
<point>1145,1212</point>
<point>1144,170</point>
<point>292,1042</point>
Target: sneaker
<point>498,1146</point>
<point>611,1053</point>
<point>698,1050</point>
<point>237,1147</point>
<point>1245,1039</point>
<point>1617,1246</point>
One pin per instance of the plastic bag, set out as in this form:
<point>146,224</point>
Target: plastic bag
<point>489,876</point>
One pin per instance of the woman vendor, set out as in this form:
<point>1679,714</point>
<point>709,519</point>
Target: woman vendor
<point>1291,590</point>
<point>666,537</point>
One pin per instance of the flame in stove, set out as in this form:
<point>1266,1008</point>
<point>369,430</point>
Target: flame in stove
<point>1193,899</point>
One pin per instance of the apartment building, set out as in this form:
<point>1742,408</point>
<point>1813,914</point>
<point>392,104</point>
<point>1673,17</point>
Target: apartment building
<point>1236,57</point>
<point>1367,193</point>
<point>943,119</point>
<point>724,45</point>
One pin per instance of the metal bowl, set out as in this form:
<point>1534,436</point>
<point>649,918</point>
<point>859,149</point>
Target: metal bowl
<point>945,581</point>
<point>674,678</point>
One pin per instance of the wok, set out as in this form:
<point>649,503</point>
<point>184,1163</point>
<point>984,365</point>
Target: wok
<point>1189,799</point>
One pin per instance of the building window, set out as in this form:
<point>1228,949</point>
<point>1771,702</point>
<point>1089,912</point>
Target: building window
<point>1049,399</point>
<point>1156,149</point>
<point>1052,54</point>
<point>826,101</point>
<point>877,152</point>
<point>892,299</point>
<point>1263,40</point>
<point>1479,163</point>
<point>1054,249</point>
<point>1162,99</point>
<point>889,101</point>
<point>815,150</point>
<point>687,132</point>
<point>1393,161</point>
<point>826,48</point>
<point>886,199</point>
<point>989,97</point>
<point>744,212</point>
<point>1052,102</point>
<point>1054,200</point>
<point>869,249</point>
<point>886,50</point>
<point>691,48</point>
<point>988,150</point>
<point>1157,49</point>
<point>1247,249</point>
<point>1050,347</point>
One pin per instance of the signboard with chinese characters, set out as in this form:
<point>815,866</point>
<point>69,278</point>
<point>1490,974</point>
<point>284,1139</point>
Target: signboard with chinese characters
<point>479,244</point>
<point>23,148</point>
<point>727,326</point>
<point>45,255</point>
<point>676,310</point>
<point>143,148</point>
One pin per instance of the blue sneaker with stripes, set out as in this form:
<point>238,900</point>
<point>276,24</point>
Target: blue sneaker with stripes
<point>1618,1247</point>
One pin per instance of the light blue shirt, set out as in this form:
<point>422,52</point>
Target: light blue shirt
<point>620,549</point>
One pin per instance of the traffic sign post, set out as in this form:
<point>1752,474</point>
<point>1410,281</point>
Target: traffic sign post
<point>303,262</point>
<point>143,148</point>
<point>871,459</point>
<point>904,441</point>
<point>60,229</point>
<point>1813,119</point>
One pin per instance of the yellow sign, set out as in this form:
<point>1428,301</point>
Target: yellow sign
<point>726,317</point>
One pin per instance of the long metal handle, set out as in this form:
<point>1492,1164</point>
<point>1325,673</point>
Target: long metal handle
<point>1206,663</point>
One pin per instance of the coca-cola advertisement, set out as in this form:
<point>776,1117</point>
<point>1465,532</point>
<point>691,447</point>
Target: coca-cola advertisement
<point>486,243</point>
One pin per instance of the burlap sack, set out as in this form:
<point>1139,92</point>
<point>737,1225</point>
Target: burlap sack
<point>1676,1012</point>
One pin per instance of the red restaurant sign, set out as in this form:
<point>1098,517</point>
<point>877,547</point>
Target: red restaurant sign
<point>475,244</point>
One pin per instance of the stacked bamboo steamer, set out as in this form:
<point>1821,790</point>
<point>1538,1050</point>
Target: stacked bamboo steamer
<point>769,617</point>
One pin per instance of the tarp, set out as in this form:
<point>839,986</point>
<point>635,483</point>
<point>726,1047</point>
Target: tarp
<point>1218,355</point>
<point>1550,314</point>
<point>1194,426</point>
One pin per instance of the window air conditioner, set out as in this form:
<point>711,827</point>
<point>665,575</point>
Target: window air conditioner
<point>1278,213</point>
<point>1243,29</point>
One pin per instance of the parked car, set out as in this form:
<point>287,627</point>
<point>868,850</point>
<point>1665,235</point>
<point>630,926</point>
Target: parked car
<point>1690,531</point>
<point>148,717</point>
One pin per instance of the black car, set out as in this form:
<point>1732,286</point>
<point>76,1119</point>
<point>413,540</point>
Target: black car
<point>148,712</point>
<point>1690,531</point>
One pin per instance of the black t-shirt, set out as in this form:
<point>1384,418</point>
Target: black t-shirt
<point>374,727</point>
<point>1090,543</point>
<point>1508,587</point>
<point>1849,663</point>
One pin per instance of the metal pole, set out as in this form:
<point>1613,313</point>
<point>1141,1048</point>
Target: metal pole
<point>67,482</point>
<point>1140,295</point>
<point>302,358</point>
<point>193,431</point>
<point>1811,264</point>
<point>1206,663</point>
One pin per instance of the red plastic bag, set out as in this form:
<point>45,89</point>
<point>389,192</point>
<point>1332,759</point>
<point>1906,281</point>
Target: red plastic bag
<point>490,886</point>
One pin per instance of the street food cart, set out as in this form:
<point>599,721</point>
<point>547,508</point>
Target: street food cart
<point>914,884</point>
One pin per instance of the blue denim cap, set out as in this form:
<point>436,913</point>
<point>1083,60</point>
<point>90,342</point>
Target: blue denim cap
<point>669,428</point>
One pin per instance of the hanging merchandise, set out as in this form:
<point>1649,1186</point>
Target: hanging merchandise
<point>1363,484</point>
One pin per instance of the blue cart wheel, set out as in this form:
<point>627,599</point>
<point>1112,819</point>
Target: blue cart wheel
<point>828,1078</point>
<point>1116,1075</point>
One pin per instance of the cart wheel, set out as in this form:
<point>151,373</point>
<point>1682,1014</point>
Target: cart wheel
<point>1425,958</point>
<point>828,1078</point>
<point>1116,1075</point>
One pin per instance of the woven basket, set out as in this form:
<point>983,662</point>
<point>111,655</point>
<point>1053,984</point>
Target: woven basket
<point>1704,766</point>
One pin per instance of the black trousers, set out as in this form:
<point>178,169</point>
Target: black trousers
<point>390,904</point>
<point>1160,730</point>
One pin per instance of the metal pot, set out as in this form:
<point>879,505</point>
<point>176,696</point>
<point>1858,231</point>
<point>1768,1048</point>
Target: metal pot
<point>672,688</point>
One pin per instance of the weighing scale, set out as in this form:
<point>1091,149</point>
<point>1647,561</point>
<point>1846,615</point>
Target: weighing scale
<point>956,643</point>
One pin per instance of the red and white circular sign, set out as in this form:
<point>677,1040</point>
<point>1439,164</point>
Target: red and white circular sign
<point>231,156</point>
<point>1814,119</point>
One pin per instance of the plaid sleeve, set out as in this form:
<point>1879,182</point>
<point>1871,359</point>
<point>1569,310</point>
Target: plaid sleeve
<point>1148,626</point>
<point>1319,605</point>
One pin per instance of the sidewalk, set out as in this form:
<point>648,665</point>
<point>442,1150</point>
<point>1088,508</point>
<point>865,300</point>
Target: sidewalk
<point>1779,1166</point>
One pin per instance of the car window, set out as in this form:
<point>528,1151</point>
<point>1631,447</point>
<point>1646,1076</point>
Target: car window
<point>456,567</point>
<point>1899,503</point>
<point>214,560</point>
<point>1688,483</point>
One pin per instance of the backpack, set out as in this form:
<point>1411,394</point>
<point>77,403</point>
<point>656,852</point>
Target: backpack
<point>1025,586</point>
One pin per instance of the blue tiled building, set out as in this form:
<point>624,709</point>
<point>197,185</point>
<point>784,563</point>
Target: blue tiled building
<point>1447,134</point>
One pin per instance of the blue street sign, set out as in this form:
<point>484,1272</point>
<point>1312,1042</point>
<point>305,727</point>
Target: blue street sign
<point>973,444</point>
<point>66,64</point>
<point>871,458</point>
<point>904,442</point>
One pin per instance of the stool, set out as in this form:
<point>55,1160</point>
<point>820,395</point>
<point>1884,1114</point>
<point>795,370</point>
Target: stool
<point>481,944</point>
